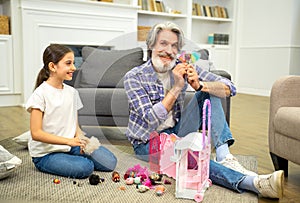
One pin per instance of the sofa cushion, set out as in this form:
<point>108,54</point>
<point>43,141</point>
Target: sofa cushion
<point>103,101</point>
<point>287,121</point>
<point>106,68</point>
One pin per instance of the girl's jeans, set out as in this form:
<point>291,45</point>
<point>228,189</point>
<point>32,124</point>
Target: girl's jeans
<point>191,120</point>
<point>73,164</point>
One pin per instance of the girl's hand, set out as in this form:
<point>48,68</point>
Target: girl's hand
<point>73,142</point>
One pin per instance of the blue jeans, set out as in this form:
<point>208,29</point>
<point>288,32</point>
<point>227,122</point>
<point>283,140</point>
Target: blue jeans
<point>73,164</point>
<point>190,121</point>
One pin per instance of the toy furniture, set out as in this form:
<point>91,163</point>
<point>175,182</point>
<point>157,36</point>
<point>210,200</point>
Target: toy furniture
<point>161,148</point>
<point>284,122</point>
<point>193,180</point>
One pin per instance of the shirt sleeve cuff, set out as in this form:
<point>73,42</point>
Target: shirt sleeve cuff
<point>160,111</point>
<point>230,85</point>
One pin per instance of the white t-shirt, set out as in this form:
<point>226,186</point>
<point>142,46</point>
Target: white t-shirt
<point>60,108</point>
<point>166,81</point>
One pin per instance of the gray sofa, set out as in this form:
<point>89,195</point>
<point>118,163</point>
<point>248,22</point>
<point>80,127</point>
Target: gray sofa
<point>99,81</point>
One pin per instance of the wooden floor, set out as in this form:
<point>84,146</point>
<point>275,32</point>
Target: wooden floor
<point>249,125</point>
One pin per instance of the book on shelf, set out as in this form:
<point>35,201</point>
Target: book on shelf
<point>216,13</point>
<point>160,6</point>
<point>152,5</point>
<point>144,4</point>
<point>224,12</point>
<point>197,9</point>
<point>207,9</point>
<point>204,10</point>
<point>221,38</point>
<point>211,11</point>
<point>194,11</point>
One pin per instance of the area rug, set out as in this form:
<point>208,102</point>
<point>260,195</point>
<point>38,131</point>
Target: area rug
<point>27,184</point>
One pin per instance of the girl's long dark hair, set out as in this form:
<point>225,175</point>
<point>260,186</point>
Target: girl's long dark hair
<point>53,53</point>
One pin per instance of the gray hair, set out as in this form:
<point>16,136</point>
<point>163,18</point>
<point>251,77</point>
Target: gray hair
<point>156,29</point>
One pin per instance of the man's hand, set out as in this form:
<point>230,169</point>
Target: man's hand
<point>192,76</point>
<point>179,73</point>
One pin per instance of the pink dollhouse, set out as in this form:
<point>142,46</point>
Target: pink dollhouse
<point>185,159</point>
<point>192,156</point>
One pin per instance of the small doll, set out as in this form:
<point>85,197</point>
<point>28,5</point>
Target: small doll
<point>155,178</point>
<point>95,179</point>
<point>188,57</point>
<point>116,176</point>
<point>142,188</point>
<point>159,190</point>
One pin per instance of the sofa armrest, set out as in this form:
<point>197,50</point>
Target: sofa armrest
<point>284,93</point>
<point>222,73</point>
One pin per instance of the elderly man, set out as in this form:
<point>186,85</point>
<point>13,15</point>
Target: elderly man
<point>156,92</point>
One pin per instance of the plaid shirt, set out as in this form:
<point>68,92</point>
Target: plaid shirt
<point>145,93</point>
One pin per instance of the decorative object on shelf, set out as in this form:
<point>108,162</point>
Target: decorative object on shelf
<point>4,25</point>
<point>210,39</point>
<point>173,11</point>
<point>143,32</point>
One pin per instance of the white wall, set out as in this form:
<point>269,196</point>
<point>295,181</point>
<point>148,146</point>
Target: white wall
<point>268,43</point>
<point>46,22</point>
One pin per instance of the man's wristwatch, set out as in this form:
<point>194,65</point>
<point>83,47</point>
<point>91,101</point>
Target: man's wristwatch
<point>201,86</point>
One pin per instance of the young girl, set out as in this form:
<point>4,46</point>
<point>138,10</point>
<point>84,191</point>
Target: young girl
<point>54,145</point>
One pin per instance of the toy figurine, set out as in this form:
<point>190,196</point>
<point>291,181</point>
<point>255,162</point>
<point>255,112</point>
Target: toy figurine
<point>95,179</point>
<point>129,181</point>
<point>56,181</point>
<point>159,190</point>
<point>137,171</point>
<point>142,188</point>
<point>137,180</point>
<point>116,176</point>
<point>155,178</point>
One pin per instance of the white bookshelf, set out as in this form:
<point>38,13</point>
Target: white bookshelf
<point>197,28</point>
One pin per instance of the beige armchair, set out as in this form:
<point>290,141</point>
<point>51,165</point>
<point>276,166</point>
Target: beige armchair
<point>284,122</point>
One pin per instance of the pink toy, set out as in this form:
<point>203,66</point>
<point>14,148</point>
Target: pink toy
<point>193,180</point>
<point>161,149</point>
<point>137,171</point>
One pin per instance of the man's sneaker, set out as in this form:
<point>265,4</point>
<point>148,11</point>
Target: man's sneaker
<point>270,185</point>
<point>231,162</point>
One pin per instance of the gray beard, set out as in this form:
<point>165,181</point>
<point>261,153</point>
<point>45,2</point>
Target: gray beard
<point>160,67</point>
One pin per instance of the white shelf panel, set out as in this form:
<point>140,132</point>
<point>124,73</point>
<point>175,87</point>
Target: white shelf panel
<point>164,14</point>
<point>212,19</point>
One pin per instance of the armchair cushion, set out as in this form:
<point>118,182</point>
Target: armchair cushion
<point>106,68</point>
<point>287,120</point>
